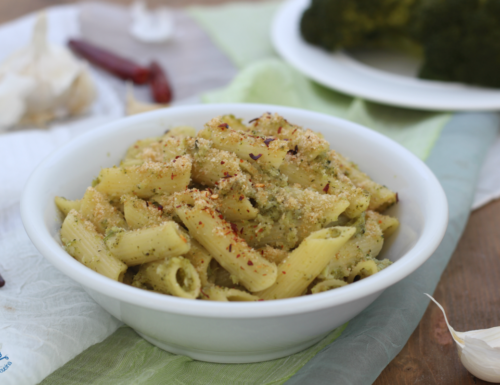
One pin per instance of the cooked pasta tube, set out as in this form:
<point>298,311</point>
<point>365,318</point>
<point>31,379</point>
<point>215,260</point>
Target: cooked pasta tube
<point>265,153</point>
<point>140,213</point>
<point>146,180</point>
<point>380,196</point>
<point>148,244</point>
<point>86,245</point>
<point>210,229</point>
<point>200,259</point>
<point>322,178</point>
<point>329,284</point>
<point>96,208</point>
<point>306,142</point>
<point>134,150</point>
<point>234,123</point>
<point>210,165</point>
<point>224,294</point>
<point>66,205</point>
<point>175,276</point>
<point>362,270</point>
<point>305,263</point>
<point>181,131</point>
<point>387,224</point>
<point>366,243</point>
<point>235,207</point>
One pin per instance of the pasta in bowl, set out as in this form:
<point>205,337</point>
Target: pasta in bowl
<point>234,212</point>
<point>247,330</point>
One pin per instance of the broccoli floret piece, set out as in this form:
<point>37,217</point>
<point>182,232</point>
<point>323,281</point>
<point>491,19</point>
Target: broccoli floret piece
<point>460,40</point>
<point>334,24</point>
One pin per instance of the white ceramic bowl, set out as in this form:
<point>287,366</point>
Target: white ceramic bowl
<point>237,332</point>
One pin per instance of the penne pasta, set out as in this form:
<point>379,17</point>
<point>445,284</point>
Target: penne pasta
<point>65,205</point>
<point>215,234</point>
<point>96,208</point>
<point>147,244</point>
<point>224,294</point>
<point>146,180</point>
<point>235,212</point>
<point>251,148</point>
<point>175,276</point>
<point>86,245</point>
<point>306,262</point>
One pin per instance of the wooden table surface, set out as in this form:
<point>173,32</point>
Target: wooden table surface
<point>468,290</point>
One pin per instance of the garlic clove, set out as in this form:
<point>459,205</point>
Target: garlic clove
<point>151,26</point>
<point>134,107</point>
<point>479,350</point>
<point>62,83</point>
<point>13,91</point>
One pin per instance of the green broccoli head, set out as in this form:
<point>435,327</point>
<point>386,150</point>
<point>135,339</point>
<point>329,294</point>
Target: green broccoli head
<point>460,40</point>
<point>334,24</point>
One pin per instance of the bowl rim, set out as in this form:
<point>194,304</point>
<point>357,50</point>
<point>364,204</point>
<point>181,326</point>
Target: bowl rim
<point>433,231</point>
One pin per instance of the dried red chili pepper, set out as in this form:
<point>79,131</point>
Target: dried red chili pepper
<point>116,65</point>
<point>160,87</point>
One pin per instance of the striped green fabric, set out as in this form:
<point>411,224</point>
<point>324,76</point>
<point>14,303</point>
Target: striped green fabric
<point>126,358</point>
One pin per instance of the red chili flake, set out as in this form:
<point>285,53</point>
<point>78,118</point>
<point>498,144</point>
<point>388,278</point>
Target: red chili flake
<point>255,157</point>
<point>200,223</point>
<point>136,146</point>
<point>326,188</point>
<point>158,206</point>
<point>260,299</point>
<point>231,247</point>
<point>224,125</point>
<point>284,272</point>
<point>177,206</point>
<point>241,267</point>
<point>206,295</point>
<point>172,176</point>
<point>238,256</point>
<point>294,131</point>
<point>279,130</point>
<point>269,140</point>
<point>147,204</point>
<point>397,197</point>
<point>241,197</point>
<point>177,157</point>
<point>241,160</point>
<point>222,162</point>
<point>241,231</point>
<point>235,228</point>
<point>250,263</point>
<point>261,230</point>
<point>221,217</point>
<point>253,120</point>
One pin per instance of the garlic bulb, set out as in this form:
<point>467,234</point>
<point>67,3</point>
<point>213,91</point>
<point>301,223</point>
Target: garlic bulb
<point>151,26</point>
<point>479,350</point>
<point>134,107</point>
<point>13,92</point>
<point>61,84</point>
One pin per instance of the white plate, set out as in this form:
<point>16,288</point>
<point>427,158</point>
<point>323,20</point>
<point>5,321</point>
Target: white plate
<point>366,74</point>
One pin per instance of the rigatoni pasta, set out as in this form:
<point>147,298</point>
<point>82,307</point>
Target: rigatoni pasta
<point>236,212</point>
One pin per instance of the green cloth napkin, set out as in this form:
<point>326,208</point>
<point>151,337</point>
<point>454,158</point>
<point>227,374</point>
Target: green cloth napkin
<point>126,358</point>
